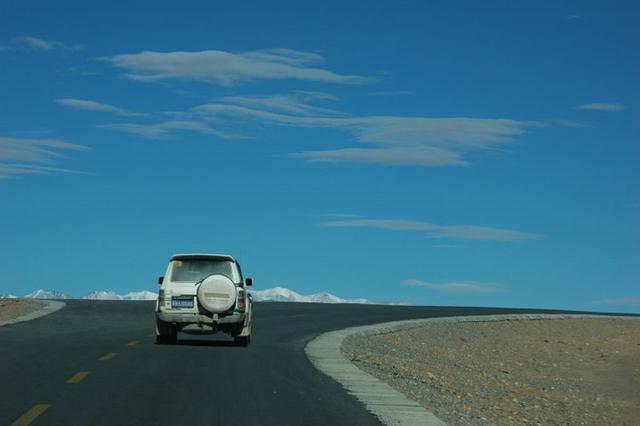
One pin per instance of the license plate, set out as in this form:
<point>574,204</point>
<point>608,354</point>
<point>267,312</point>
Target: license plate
<point>182,303</point>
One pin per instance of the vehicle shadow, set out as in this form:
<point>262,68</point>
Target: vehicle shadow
<point>205,342</point>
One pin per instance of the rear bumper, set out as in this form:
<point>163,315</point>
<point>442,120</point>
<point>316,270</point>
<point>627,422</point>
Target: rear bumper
<point>183,318</point>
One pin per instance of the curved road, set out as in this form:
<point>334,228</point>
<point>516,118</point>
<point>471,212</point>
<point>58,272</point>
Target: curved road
<point>201,380</point>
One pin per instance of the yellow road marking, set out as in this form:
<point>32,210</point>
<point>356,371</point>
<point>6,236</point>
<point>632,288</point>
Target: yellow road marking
<point>108,356</point>
<point>31,415</point>
<point>133,342</point>
<point>78,377</point>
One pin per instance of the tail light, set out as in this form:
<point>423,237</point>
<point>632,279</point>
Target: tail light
<point>160,298</point>
<point>242,302</point>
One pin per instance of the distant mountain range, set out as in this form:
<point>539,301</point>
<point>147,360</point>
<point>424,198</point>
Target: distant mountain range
<point>281,294</point>
<point>276,294</point>
<point>110,295</point>
<point>94,295</point>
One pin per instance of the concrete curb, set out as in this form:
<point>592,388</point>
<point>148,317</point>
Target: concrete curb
<point>49,307</point>
<point>386,403</point>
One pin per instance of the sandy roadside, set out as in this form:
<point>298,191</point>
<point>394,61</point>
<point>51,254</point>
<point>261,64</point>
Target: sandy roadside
<point>542,372</point>
<point>11,309</point>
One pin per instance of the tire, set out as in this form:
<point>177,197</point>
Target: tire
<point>242,340</point>
<point>236,330</point>
<point>166,334</point>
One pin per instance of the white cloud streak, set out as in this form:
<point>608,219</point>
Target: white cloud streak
<point>571,123</point>
<point>458,286</point>
<point>19,156</point>
<point>391,140</point>
<point>13,170</point>
<point>166,129</point>
<point>88,105</point>
<point>340,215</point>
<point>40,44</point>
<point>296,103</point>
<point>456,232</point>
<point>393,130</point>
<point>393,93</point>
<point>398,141</point>
<point>603,106</point>
<point>386,156</point>
<point>227,68</point>
<point>620,301</point>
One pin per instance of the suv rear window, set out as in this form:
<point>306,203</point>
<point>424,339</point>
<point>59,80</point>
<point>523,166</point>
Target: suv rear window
<point>196,269</point>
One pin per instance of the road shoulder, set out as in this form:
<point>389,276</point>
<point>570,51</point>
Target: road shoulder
<point>386,403</point>
<point>389,405</point>
<point>47,307</point>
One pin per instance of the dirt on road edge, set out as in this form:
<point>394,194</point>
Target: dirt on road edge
<point>554,371</point>
<point>11,309</point>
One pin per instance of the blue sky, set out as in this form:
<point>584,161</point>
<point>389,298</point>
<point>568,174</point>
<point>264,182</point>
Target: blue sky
<point>433,153</point>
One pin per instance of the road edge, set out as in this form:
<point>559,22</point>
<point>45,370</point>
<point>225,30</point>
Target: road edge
<point>49,307</point>
<point>387,404</point>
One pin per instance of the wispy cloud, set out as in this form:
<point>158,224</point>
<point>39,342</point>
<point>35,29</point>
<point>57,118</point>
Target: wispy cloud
<point>88,105</point>
<point>394,130</point>
<point>228,68</point>
<point>20,156</point>
<point>394,140</point>
<point>341,215</point>
<point>573,17</point>
<point>388,140</point>
<point>620,301</point>
<point>458,286</point>
<point>40,44</point>
<point>431,230</point>
<point>386,156</point>
<point>15,169</point>
<point>571,123</point>
<point>603,106</point>
<point>386,93</point>
<point>296,103</point>
<point>82,70</point>
<point>166,129</point>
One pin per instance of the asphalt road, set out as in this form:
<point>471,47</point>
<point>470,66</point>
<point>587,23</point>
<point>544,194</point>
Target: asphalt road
<point>201,380</point>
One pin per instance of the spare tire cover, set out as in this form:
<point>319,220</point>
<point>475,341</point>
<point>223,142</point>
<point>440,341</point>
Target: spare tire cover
<point>217,293</point>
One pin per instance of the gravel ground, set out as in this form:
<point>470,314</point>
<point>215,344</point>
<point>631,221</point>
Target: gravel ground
<point>518,372</point>
<point>13,308</point>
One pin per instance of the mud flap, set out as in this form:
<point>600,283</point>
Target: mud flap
<point>246,330</point>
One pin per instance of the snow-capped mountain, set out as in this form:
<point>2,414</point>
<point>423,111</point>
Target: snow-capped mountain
<point>94,295</point>
<point>140,295</point>
<point>112,295</point>
<point>47,294</point>
<point>102,295</point>
<point>8,296</point>
<point>330,298</point>
<point>276,294</point>
<point>281,294</point>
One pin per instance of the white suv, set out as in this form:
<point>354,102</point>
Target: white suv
<point>203,294</point>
